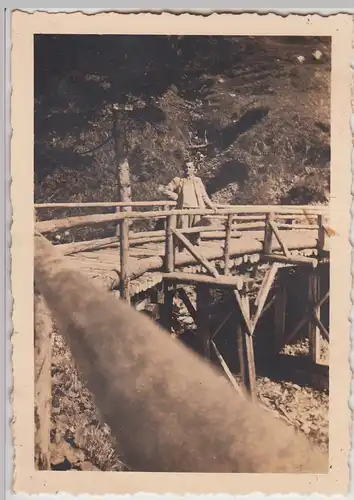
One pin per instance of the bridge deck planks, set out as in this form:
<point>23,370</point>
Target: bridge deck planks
<point>103,265</point>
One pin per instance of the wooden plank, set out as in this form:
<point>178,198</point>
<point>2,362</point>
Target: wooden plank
<point>153,259</point>
<point>227,370</point>
<point>313,329</point>
<point>279,238</point>
<point>196,254</point>
<point>124,260</point>
<point>227,244</point>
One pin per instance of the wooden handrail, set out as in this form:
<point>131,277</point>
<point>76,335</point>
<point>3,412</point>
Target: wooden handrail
<point>54,225</point>
<point>158,203</point>
<point>311,209</point>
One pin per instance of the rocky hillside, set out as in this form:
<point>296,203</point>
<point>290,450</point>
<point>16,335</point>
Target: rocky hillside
<point>260,106</point>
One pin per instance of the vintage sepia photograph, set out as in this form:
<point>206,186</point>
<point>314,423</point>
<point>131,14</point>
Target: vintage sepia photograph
<point>183,257</point>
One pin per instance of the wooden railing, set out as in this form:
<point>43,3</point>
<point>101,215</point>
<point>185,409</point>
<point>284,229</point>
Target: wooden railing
<point>270,219</point>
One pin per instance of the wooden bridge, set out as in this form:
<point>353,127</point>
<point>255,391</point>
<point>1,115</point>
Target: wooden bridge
<point>242,248</point>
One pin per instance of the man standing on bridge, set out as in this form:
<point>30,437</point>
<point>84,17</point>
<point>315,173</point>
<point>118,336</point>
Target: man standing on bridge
<point>189,192</point>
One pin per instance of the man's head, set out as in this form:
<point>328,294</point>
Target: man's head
<point>189,168</point>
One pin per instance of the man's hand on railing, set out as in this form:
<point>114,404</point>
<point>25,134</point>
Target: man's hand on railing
<point>170,194</point>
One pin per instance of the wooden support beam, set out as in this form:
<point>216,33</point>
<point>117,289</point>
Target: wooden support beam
<point>280,315</point>
<point>268,305</point>
<point>227,244</point>
<point>293,259</point>
<point>196,254</point>
<point>166,307</point>
<point>245,350</point>
<point>170,246</point>
<point>43,338</point>
<point>241,351</point>
<point>320,325</point>
<point>187,302</point>
<point>244,308</point>
<point>305,319</point>
<point>227,369</point>
<point>124,284</point>
<point>268,234</point>
<point>313,329</point>
<point>140,306</point>
<point>263,294</point>
<point>224,321</point>
<point>203,317</point>
<point>279,238</point>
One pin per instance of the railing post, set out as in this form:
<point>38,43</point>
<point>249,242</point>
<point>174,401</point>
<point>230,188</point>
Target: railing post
<point>321,233</point>
<point>268,234</point>
<point>168,290</point>
<point>170,248</point>
<point>314,290</point>
<point>124,259</point>
<point>227,243</point>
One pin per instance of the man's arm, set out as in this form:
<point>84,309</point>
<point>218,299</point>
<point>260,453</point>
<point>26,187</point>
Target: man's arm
<point>205,196</point>
<point>170,189</point>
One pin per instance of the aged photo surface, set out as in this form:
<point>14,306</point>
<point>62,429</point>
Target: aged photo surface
<point>183,189</point>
